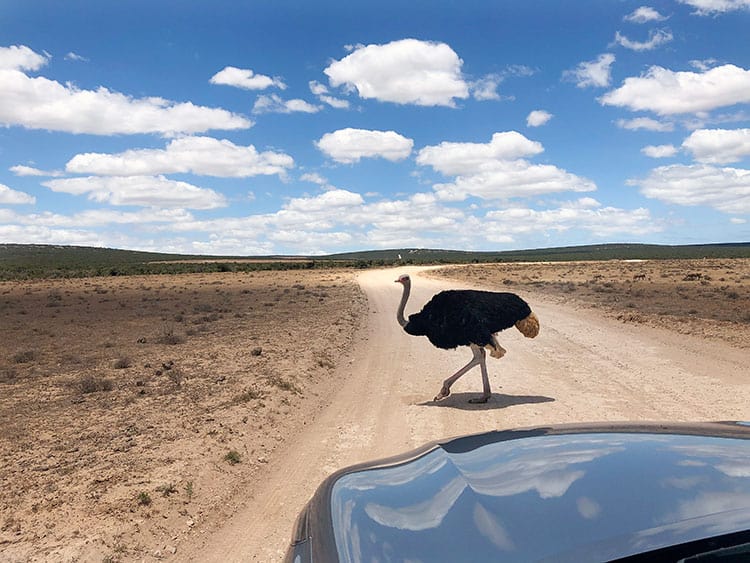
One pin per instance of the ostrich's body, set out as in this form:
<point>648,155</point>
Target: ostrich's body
<point>468,318</point>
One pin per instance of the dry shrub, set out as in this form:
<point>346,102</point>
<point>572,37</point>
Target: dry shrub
<point>169,336</point>
<point>92,384</point>
<point>25,357</point>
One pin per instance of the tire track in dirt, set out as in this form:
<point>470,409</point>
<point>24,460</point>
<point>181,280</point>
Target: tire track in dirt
<point>581,367</point>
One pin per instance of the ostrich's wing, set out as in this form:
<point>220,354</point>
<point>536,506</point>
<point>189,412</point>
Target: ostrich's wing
<point>461,317</point>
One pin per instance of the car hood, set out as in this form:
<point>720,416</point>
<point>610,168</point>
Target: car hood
<point>573,494</point>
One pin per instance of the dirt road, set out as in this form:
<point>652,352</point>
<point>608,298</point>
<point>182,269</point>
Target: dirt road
<point>581,367</point>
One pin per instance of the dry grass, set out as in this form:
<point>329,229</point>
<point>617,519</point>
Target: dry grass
<point>120,396</point>
<point>708,297</point>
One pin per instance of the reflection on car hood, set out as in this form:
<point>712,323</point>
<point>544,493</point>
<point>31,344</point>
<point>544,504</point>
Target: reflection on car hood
<point>580,496</point>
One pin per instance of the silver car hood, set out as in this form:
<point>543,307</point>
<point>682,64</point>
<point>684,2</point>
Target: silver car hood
<point>570,494</point>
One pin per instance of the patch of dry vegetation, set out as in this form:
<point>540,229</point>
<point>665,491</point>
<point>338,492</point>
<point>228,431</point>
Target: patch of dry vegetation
<point>709,298</point>
<point>120,398</point>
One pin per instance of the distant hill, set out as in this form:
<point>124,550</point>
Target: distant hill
<point>566,253</point>
<point>24,261</point>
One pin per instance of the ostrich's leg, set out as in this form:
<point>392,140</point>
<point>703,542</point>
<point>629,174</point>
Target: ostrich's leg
<point>477,359</point>
<point>486,393</point>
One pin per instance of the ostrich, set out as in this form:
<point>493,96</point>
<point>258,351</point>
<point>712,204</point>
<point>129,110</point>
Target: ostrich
<point>468,318</point>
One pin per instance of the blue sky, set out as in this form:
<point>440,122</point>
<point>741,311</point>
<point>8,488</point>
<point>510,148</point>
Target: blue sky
<point>279,127</point>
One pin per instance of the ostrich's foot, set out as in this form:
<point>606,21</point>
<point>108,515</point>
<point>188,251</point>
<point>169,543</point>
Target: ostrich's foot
<point>480,400</point>
<point>444,392</point>
<point>496,351</point>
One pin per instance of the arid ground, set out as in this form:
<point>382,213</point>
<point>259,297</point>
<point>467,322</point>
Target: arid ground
<point>189,418</point>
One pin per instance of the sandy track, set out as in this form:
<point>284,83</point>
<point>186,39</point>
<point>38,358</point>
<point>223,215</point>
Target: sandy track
<point>581,367</point>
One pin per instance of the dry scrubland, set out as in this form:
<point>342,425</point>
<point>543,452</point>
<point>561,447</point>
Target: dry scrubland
<point>709,298</point>
<point>133,410</point>
<point>131,407</point>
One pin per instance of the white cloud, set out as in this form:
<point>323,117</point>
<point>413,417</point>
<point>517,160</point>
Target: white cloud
<point>724,189</point>
<point>332,201</point>
<point>454,159</point>
<point>508,179</point>
<point>102,217</point>
<point>584,214</point>
<point>659,151</point>
<point>145,191</point>
<point>317,88</point>
<point>495,170</point>
<point>20,57</point>
<point>408,71</point>
<point>656,38</point>
<point>645,123</point>
<point>537,118</point>
<point>245,79</point>
<point>644,14</point>
<point>667,92</point>
<point>204,156</point>
<point>718,146</point>
<point>40,103</point>
<point>350,145</point>
<point>36,234</point>
<point>274,104</point>
<point>21,170</point>
<point>709,7</point>
<point>314,178</point>
<point>321,91</point>
<point>71,56</point>
<point>13,197</point>
<point>703,64</point>
<point>596,73</point>
<point>486,88</point>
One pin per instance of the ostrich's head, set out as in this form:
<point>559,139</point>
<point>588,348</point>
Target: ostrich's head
<point>404,279</point>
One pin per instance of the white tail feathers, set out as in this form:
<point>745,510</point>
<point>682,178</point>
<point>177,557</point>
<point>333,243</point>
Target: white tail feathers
<point>529,326</point>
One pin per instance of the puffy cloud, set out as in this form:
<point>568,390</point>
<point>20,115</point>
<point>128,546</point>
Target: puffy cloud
<point>666,92</point>
<point>508,179</point>
<point>37,234</point>
<point>659,151</point>
<point>145,191</point>
<point>644,14</point>
<point>332,201</point>
<point>408,71</point>
<point>198,155</point>
<point>20,57</point>
<point>13,197</point>
<point>464,158</point>
<point>718,146</point>
<point>656,38</point>
<point>537,118</point>
<point>496,170</point>
<point>645,123</point>
<point>710,7</point>
<point>725,189</point>
<point>350,145</point>
<point>245,79</point>
<point>585,214</point>
<point>592,73</point>
<point>274,104</point>
<point>102,217</point>
<point>40,103</point>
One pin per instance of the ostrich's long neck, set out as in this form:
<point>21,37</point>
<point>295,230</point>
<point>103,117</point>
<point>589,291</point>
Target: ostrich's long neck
<point>402,305</point>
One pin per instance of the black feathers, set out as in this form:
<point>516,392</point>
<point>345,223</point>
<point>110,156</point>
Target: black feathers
<point>462,317</point>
